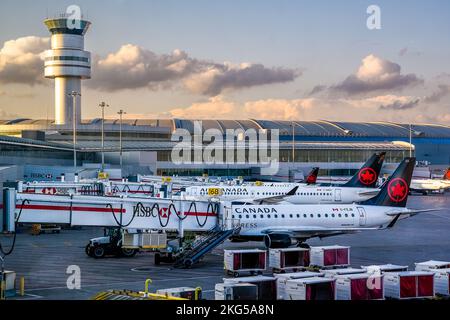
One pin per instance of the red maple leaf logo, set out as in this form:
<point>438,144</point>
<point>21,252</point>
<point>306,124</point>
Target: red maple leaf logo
<point>397,189</point>
<point>367,176</point>
<point>311,179</point>
<point>447,174</point>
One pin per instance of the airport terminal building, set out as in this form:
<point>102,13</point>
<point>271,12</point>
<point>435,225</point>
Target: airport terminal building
<point>338,148</point>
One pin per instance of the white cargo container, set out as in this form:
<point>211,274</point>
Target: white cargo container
<point>267,286</point>
<point>10,283</point>
<point>150,240</point>
<point>246,260</point>
<point>442,281</point>
<point>330,256</point>
<point>282,278</point>
<point>331,273</point>
<point>359,286</point>
<point>180,292</point>
<point>236,291</point>
<point>409,284</point>
<point>316,288</point>
<point>288,259</point>
<point>382,268</point>
<point>432,265</point>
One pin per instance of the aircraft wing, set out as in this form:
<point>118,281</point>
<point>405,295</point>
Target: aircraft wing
<point>272,199</point>
<point>372,193</point>
<point>411,211</point>
<point>445,184</point>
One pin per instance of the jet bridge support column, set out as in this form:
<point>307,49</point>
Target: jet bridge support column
<point>225,217</point>
<point>180,221</point>
<point>9,207</point>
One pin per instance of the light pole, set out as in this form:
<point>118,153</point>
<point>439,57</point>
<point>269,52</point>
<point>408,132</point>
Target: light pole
<point>293,141</point>
<point>120,113</point>
<point>103,105</point>
<point>74,95</point>
<point>416,134</point>
<point>410,141</point>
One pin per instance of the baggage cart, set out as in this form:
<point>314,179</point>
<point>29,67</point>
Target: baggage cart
<point>252,261</point>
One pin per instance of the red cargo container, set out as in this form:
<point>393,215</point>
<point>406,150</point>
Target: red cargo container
<point>252,260</point>
<point>409,284</point>
<point>288,258</point>
<point>359,287</point>
<point>330,256</point>
<point>267,286</point>
<point>310,289</point>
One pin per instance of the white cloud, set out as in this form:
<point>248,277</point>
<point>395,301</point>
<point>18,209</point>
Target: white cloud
<point>281,109</point>
<point>220,77</point>
<point>21,60</point>
<point>5,115</point>
<point>442,91</point>
<point>134,67</point>
<point>432,118</point>
<point>384,102</point>
<point>378,108</point>
<point>220,108</point>
<point>376,74</point>
<point>215,108</point>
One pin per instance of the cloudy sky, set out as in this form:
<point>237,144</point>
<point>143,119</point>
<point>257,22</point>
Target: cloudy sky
<point>239,59</point>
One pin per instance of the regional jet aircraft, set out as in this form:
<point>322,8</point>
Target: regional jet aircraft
<point>361,187</point>
<point>279,224</point>
<point>429,185</point>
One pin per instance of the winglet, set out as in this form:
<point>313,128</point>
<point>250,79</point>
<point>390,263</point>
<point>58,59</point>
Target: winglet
<point>292,192</point>
<point>394,221</point>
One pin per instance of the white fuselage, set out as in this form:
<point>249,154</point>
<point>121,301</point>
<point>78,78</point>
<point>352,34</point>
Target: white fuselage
<point>255,220</point>
<point>429,184</point>
<point>305,194</point>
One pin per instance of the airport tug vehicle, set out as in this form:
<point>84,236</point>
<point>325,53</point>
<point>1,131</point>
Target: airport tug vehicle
<point>109,244</point>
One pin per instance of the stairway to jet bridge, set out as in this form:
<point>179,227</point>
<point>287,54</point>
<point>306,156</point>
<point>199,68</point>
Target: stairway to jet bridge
<point>205,244</point>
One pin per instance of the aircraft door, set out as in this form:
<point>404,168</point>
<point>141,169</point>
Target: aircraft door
<point>337,195</point>
<point>362,216</point>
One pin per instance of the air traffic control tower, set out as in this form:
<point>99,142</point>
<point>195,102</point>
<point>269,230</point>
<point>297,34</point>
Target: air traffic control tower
<point>67,62</point>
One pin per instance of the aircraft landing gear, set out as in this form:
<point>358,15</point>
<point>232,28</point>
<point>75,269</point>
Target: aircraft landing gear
<point>303,245</point>
<point>163,257</point>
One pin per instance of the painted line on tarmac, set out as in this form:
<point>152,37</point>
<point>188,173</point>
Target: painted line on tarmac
<point>122,282</point>
<point>31,297</point>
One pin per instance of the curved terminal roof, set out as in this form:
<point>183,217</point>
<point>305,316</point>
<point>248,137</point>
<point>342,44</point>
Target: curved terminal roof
<point>320,128</point>
<point>324,128</point>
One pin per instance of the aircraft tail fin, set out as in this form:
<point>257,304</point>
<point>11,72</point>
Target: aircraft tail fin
<point>446,174</point>
<point>394,192</point>
<point>367,175</point>
<point>311,178</point>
